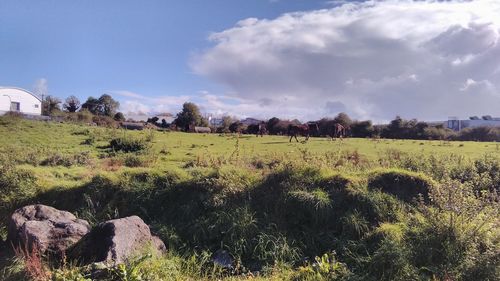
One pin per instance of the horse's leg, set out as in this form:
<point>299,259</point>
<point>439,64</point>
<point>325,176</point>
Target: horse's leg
<point>291,136</point>
<point>296,138</point>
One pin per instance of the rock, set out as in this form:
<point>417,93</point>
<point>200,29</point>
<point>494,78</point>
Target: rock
<point>115,241</point>
<point>45,228</point>
<point>223,259</point>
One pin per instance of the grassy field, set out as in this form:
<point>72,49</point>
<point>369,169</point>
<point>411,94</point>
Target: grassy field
<point>272,204</point>
<point>176,148</point>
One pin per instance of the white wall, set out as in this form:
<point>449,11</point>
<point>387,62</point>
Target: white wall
<point>28,103</point>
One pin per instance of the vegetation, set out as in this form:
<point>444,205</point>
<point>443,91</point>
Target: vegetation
<point>356,209</point>
<point>189,116</point>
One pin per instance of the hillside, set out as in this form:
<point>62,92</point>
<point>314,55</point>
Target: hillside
<point>356,209</point>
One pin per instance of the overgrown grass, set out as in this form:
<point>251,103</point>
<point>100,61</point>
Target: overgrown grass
<point>347,210</point>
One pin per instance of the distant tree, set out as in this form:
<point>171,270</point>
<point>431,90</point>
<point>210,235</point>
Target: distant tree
<point>164,123</point>
<point>271,124</point>
<point>226,122</point>
<point>108,106</point>
<point>362,129</point>
<point>236,127</point>
<point>343,119</point>
<point>474,118</point>
<point>72,104</point>
<point>153,120</point>
<point>119,117</point>
<point>487,117</point>
<point>92,105</point>
<point>105,105</point>
<point>51,105</point>
<point>189,116</point>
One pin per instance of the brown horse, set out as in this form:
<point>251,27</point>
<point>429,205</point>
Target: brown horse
<point>262,129</point>
<point>302,130</point>
<point>339,131</point>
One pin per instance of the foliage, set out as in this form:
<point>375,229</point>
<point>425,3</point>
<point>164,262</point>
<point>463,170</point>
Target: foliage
<point>119,117</point>
<point>325,267</point>
<point>50,105</point>
<point>128,144</point>
<point>189,116</point>
<point>403,184</point>
<point>104,105</point>
<point>72,104</point>
<point>269,206</point>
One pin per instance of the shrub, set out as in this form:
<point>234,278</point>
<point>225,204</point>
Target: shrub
<point>405,185</point>
<point>326,268</point>
<point>57,159</point>
<point>128,144</point>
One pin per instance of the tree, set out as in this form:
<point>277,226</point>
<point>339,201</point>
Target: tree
<point>92,105</point>
<point>108,106</point>
<point>105,105</point>
<point>343,119</point>
<point>119,117</point>
<point>226,122</point>
<point>72,104</point>
<point>50,105</point>
<point>271,124</point>
<point>236,127</point>
<point>189,116</point>
<point>362,129</point>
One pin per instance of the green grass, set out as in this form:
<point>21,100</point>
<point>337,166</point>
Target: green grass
<point>178,148</point>
<point>268,202</point>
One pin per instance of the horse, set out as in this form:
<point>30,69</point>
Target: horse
<point>339,131</point>
<point>302,130</point>
<point>262,129</point>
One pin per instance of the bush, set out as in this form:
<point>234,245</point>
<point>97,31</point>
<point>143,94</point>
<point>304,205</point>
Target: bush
<point>479,134</point>
<point>57,159</point>
<point>405,185</point>
<point>128,144</point>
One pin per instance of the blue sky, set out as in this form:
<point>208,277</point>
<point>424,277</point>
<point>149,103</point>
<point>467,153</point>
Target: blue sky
<point>289,58</point>
<point>89,47</point>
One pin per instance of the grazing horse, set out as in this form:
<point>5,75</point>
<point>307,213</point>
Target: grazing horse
<point>262,129</point>
<point>302,130</point>
<point>338,131</point>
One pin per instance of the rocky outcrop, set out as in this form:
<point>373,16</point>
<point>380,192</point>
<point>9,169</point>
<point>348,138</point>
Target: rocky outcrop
<point>115,241</point>
<point>45,228</point>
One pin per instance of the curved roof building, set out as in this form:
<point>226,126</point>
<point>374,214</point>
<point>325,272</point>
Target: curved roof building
<point>19,100</point>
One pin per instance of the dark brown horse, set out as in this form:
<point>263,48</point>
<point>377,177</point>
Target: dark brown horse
<point>302,130</point>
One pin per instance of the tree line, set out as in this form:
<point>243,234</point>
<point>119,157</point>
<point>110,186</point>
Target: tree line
<point>398,128</point>
<point>104,111</point>
<point>104,107</point>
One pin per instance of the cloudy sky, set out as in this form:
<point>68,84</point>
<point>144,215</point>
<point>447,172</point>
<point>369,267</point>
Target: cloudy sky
<point>288,58</point>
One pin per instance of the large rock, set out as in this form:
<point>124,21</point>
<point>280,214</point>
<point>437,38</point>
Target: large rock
<point>45,228</point>
<point>115,241</point>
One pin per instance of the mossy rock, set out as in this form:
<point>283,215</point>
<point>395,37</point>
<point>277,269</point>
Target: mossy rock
<point>404,185</point>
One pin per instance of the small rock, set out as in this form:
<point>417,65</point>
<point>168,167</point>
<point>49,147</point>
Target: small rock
<point>115,241</point>
<point>45,228</point>
<point>223,259</point>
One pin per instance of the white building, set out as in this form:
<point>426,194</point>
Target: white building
<point>457,125</point>
<point>19,100</point>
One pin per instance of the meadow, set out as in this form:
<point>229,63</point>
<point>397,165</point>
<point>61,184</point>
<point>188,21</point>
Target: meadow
<point>352,209</point>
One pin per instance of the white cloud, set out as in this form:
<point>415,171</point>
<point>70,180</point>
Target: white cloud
<point>41,88</point>
<point>375,59</point>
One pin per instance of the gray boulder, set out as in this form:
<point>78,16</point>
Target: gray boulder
<point>116,241</point>
<point>45,228</point>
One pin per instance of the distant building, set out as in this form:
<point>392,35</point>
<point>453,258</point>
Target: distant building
<point>458,125</point>
<point>19,100</point>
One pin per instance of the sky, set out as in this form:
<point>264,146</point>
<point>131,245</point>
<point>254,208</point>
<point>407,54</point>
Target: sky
<point>302,59</point>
